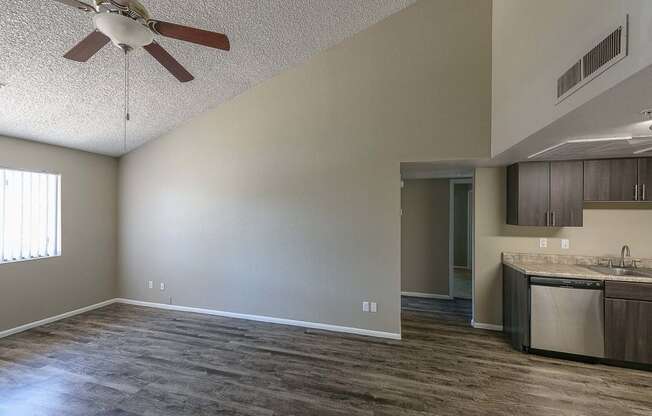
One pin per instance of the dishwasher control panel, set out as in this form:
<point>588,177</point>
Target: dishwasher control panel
<point>561,282</point>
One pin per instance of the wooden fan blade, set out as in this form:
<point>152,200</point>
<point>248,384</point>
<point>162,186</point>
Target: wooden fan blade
<point>190,34</point>
<point>88,47</point>
<point>78,5</point>
<point>168,62</point>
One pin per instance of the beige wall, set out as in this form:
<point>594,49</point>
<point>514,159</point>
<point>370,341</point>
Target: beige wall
<point>424,236</point>
<point>536,41</point>
<point>285,201</point>
<point>606,229</point>
<point>86,271</point>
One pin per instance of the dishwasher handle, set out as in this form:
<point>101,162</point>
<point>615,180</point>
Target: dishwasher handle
<point>562,282</point>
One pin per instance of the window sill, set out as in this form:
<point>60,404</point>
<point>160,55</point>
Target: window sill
<point>2,263</point>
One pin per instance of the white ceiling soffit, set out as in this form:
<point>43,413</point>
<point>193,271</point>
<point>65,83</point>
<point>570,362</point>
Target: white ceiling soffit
<point>80,105</point>
<point>582,133</point>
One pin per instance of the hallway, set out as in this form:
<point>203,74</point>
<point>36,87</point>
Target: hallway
<point>452,312</point>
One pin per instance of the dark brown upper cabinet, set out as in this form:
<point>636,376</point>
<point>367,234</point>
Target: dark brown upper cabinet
<point>566,184</point>
<point>611,180</point>
<point>545,194</point>
<point>645,179</point>
<point>528,194</point>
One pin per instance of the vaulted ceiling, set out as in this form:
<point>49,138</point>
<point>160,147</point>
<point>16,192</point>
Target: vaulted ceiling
<point>49,99</point>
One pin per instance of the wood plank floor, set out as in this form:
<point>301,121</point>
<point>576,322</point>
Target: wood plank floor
<point>128,360</point>
<point>455,311</point>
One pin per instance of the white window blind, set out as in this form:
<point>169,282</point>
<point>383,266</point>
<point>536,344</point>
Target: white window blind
<point>30,215</point>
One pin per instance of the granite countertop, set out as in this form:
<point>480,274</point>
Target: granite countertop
<point>574,267</point>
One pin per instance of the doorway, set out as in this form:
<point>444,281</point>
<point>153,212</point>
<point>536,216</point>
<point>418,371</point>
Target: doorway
<point>437,248</point>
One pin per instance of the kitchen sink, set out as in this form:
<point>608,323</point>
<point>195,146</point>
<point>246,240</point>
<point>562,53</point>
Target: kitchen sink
<point>622,271</point>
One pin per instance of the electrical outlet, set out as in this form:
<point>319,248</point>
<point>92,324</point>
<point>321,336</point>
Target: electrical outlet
<point>365,306</point>
<point>162,286</point>
<point>543,243</point>
<point>150,284</point>
<point>565,243</point>
<point>374,307</point>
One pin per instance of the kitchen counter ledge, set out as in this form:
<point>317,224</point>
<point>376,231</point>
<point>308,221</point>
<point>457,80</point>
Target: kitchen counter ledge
<point>564,267</point>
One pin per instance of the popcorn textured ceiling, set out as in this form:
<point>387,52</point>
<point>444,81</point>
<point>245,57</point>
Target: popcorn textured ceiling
<point>80,105</point>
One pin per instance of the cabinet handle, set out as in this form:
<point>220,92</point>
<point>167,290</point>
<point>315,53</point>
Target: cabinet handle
<point>553,218</point>
<point>547,219</point>
<point>636,192</point>
<point>644,193</point>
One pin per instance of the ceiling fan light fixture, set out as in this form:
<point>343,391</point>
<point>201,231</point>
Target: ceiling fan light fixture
<point>122,30</point>
<point>126,23</point>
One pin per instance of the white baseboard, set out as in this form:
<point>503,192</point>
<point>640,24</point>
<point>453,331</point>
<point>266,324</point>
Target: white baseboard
<point>426,295</point>
<point>314,325</point>
<point>269,319</point>
<point>51,319</point>
<point>490,327</point>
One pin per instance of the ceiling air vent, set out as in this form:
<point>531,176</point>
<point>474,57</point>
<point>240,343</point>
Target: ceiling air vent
<point>610,50</point>
<point>571,78</point>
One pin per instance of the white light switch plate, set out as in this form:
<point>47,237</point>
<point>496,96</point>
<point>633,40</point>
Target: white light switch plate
<point>543,243</point>
<point>150,284</point>
<point>365,306</point>
<point>374,307</point>
<point>565,243</point>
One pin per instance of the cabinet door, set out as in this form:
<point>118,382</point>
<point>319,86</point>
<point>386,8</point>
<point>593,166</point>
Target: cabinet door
<point>597,180</point>
<point>624,177</point>
<point>645,178</point>
<point>516,322</point>
<point>512,194</point>
<point>566,189</point>
<point>628,330</point>
<point>533,193</point>
<point>610,179</point>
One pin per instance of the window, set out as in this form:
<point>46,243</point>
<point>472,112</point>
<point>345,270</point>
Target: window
<point>30,215</point>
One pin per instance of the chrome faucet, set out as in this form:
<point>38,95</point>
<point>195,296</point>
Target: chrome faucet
<point>624,252</point>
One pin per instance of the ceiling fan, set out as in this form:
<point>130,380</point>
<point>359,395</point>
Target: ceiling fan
<point>128,25</point>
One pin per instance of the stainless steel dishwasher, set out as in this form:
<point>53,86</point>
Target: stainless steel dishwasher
<point>567,316</point>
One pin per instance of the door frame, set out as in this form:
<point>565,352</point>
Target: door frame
<point>469,241</point>
<point>451,230</point>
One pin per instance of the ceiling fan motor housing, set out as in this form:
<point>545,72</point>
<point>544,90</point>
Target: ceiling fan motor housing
<point>123,30</point>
